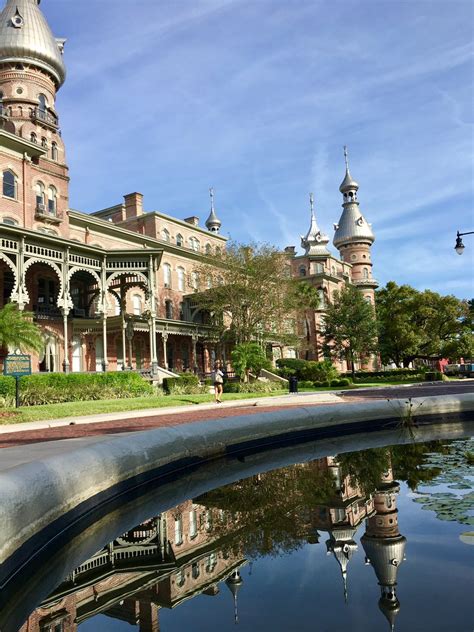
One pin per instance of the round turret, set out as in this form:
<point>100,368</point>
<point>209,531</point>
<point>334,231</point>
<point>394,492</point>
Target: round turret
<point>25,37</point>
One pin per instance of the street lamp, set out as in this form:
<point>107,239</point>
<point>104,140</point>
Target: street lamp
<point>459,247</point>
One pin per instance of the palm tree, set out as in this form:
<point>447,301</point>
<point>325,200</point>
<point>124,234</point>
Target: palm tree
<point>18,331</point>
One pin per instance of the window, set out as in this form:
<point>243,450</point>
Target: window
<point>322,299</point>
<point>9,184</point>
<point>44,142</point>
<point>208,249</point>
<point>302,271</point>
<point>54,151</point>
<point>42,103</point>
<point>137,304</point>
<point>180,577</point>
<point>195,570</point>
<point>169,309</point>
<point>194,280</point>
<point>208,520</point>
<point>319,268</point>
<point>211,562</point>
<point>366,273</point>
<point>39,190</point>
<point>52,194</point>
<point>9,221</point>
<point>165,235</point>
<point>167,274</point>
<point>193,524</point>
<point>33,138</point>
<point>194,244</point>
<point>179,239</point>
<point>181,275</point>
<point>178,530</point>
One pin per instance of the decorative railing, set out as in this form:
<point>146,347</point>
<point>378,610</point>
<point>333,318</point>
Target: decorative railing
<point>41,251</point>
<point>44,116</point>
<point>44,213</point>
<point>43,312</point>
<point>84,261</point>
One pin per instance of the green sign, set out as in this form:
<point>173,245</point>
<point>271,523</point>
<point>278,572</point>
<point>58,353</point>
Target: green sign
<point>17,365</point>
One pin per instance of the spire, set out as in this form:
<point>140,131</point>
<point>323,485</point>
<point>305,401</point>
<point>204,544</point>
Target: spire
<point>234,583</point>
<point>348,184</point>
<point>315,242</point>
<point>352,226</point>
<point>26,37</point>
<point>213,223</point>
<point>341,544</point>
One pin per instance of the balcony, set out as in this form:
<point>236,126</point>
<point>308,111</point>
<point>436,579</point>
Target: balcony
<point>46,312</point>
<point>42,212</point>
<point>365,282</point>
<point>45,117</point>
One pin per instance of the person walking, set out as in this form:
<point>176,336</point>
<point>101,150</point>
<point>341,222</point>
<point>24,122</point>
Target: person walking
<point>218,381</point>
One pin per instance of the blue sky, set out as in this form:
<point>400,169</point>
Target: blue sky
<point>257,98</point>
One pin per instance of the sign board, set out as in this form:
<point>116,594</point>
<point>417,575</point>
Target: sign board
<point>17,365</point>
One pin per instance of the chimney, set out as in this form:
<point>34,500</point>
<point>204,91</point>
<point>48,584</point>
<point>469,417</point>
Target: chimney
<point>193,220</point>
<point>133,205</point>
<point>290,250</point>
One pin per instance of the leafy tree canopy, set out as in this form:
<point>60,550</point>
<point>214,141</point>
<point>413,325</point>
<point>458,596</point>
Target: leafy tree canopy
<point>414,324</point>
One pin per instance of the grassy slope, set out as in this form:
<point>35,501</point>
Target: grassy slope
<point>75,409</point>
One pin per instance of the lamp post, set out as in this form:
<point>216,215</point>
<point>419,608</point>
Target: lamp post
<point>459,247</point>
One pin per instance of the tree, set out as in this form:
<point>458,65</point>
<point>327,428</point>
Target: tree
<point>18,331</point>
<point>350,325</point>
<point>248,357</point>
<point>249,293</point>
<point>415,324</point>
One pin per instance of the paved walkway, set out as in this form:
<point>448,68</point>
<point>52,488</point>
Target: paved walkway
<point>28,434</point>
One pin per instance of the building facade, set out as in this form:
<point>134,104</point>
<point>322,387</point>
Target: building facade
<point>112,289</point>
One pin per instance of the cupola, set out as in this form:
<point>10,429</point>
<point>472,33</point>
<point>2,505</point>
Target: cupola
<point>315,242</point>
<point>213,223</point>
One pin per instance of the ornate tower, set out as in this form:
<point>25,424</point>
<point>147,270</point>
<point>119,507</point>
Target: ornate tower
<point>31,72</point>
<point>213,223</point>
<point>354,237</point>
<point>384,546</point>
<point>315,242</point>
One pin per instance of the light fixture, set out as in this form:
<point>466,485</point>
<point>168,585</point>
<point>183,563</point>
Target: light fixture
<point>459,247</point>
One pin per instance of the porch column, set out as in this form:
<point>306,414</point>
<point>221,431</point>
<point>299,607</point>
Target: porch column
<point>129,332</point>
<point>103,294</point>
<point>66,365</point>
<point>194,339</point>
<point>124,345</point>
<point>151,281</point>
<point>164,337</point>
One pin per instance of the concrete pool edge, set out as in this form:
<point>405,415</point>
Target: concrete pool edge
<point>54,490</point>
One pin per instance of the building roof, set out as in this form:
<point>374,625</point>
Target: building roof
<point>315,242</point>
<point>352,226</point>
<point>26,37</point>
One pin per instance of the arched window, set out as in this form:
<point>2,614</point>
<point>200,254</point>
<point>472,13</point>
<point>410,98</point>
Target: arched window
<point>169,309</point>
<point>165,235</point>
<point>52,199</point>
<point>208,249</point>
<point>44,142</point>
<point>9,184</point>
<point>194,280</point>
<point>368,299</point>
<point>302,271</point>
<point>54,151</point>
<point>42,103</point>
<point>167,274</point>
<point>9,221</point>
<point>179,239</point>
<point>194,244</point>
<point>181,277</point>
<point>366,273</point>
<point>319,268</point>
<point>39,191</point>
<point>33,138</point>
<point>322,299</point>
<point>137,304</point>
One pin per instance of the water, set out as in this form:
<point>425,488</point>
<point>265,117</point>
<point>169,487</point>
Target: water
<point>371,540</point>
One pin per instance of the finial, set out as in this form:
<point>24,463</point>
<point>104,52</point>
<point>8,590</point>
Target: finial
<point>311,203</point>
<point>346,158</point>
<point>211,195</point>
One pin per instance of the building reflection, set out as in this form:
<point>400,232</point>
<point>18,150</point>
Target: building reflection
<point>197,547</point>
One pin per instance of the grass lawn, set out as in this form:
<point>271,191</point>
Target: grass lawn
<point>76,409</point>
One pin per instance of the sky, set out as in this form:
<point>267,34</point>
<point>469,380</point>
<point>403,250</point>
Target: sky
<point>257,98</point>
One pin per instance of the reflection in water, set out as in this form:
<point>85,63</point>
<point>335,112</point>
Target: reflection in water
<point>200,545</point>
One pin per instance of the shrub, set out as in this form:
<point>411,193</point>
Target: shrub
<point>305,384</point>
<point>307,370</point>
<point>185,384</point>
<point>257,386</point>
<point>51,388</point>
<point>344,381</point>
<point>324,383</point>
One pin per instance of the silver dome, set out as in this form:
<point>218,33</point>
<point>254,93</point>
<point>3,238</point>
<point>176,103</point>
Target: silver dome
<point>26,37</point>
<point>352,227</point>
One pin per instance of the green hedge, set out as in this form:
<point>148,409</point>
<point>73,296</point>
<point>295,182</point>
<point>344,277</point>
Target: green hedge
<point>433,376</point>
<point>307,370</point>
<point>185,384</point>
<point>251,387</point>
<point>52,388</point>
<point>389,373</point>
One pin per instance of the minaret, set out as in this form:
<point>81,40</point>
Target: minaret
<point>234,583</point>
<point>341,544</point>
<point>31,72</point>
<point>213,223</point>
<point>315,242</point>
<point>384,546</point>
<point>354,237</point>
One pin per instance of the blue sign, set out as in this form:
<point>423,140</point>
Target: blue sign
<point>16,365</point>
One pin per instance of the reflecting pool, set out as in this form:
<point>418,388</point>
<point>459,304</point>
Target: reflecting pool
<point>379,539</point>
